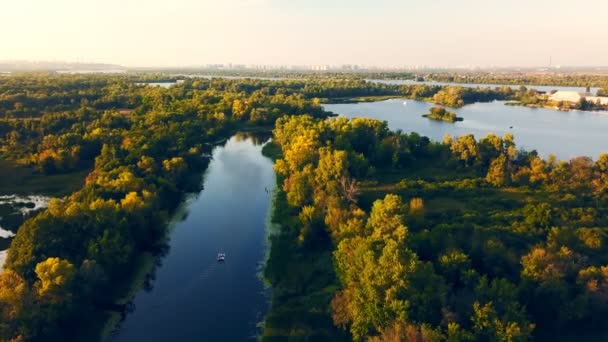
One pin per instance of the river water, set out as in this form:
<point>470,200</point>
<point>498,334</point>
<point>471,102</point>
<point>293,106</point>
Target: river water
<point>565,134</point>
<point>193,297</point>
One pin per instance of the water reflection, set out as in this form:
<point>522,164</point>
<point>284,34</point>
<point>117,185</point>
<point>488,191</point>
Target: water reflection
<point>565,134</point>
<point>189,296</point>
<point>257,137</point>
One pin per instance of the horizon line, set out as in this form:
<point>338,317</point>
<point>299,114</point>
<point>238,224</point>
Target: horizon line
<point>231,66</point>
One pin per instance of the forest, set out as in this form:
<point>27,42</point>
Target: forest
<point>384,236</point>
<point>553,78</point>
<point>461,240</point>
<point>142,148</point>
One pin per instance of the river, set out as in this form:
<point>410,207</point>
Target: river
<point>193,297</point>
<point>565,134</point>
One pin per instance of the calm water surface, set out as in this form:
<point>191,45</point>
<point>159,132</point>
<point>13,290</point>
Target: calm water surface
<point>565,134</point>
<point>193,297</point>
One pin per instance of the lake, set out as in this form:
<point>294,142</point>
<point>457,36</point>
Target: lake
<point>565,134</point>
<point>546,89</point>
<point>193,297</point>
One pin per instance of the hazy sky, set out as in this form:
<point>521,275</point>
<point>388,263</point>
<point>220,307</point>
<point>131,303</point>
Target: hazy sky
<point>371,32</point>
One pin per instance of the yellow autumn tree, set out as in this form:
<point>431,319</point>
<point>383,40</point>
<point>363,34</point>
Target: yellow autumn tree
<point>132,202</point>
<point>55,278</point>
<point>14,299</point>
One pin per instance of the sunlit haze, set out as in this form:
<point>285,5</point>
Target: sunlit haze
<point>366,32</point>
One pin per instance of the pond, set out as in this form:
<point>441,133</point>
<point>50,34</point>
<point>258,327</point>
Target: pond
<point>193,297</point>
<point>14,210</point>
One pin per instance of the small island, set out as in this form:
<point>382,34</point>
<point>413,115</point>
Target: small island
<point>440,114</point>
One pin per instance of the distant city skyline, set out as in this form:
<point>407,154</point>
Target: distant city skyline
<point>379,33</point>
<point>58,65</point>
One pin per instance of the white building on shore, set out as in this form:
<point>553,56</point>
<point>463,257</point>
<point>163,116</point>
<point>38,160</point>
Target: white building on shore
<point>575,97</point>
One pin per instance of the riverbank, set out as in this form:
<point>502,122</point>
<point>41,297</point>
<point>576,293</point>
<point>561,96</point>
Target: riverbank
<point>229,298</point>
<point>303,283</point>
<point>106,322</point>
<point>126,291</point>
<point>22,190</point>
<point>303,279</point>
<point>552,106</point>
<point>102,327</point>
<point>338,100</point>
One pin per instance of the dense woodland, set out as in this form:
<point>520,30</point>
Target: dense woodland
<point>144,146</point>
<point>383,235</point>
<point>556,77</point>
<point>460,240</point>
<point>572,79</point>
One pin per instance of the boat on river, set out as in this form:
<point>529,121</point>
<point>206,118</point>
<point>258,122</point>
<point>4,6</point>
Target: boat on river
<point>221,257</point>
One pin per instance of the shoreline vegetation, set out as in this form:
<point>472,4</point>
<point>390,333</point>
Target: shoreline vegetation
<point>440,114</point>
<point>22,180</point>
<point>146,263</point>
<point>302,280</point>
<point>456,96</point>
<point>572,78</point>
<point>342,100</point>
<point>380,232</point>
<point>144,163</point>
<point>450,240</point>
<point>544,102</point>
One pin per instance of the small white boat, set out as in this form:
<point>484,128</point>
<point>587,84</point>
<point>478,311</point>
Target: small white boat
<point>221,257</point>
<point>405,103</point>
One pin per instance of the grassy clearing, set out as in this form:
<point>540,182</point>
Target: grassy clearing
<point>446,189</point>
<point>20,180</point>
<point>441,204</point>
